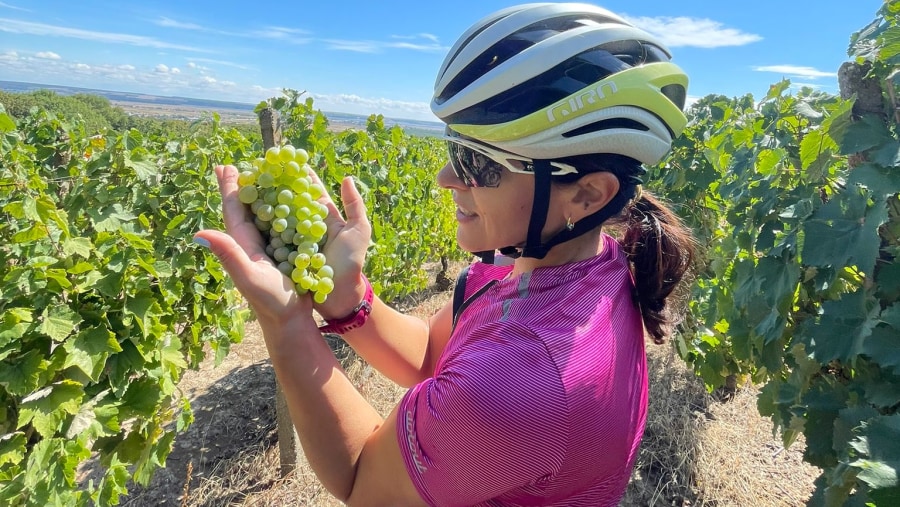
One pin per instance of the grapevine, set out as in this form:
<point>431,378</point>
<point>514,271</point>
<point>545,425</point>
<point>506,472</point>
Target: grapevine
<point>283,198</point>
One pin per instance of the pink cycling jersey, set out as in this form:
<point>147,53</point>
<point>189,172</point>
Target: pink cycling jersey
<point>539,397</point>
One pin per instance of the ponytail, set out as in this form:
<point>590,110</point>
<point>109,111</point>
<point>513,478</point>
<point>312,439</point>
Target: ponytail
<point>661,250</point>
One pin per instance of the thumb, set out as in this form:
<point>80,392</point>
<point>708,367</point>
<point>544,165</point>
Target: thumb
<point>354,205</point>
<point>232,257</point>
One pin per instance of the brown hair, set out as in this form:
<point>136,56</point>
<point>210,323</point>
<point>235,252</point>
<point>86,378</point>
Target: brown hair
<point>662,251</point>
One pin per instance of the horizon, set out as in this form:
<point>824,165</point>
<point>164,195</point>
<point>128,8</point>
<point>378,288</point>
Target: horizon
<point>247,105</point>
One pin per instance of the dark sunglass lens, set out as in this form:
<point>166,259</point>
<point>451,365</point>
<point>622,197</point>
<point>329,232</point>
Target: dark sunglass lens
<point>459,161</point>
<point>473,168</point>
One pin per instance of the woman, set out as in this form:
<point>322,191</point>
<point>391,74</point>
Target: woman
<point>531,388</point>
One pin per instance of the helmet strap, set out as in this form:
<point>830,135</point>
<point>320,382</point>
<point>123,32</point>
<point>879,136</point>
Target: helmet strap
<point>533,246</point>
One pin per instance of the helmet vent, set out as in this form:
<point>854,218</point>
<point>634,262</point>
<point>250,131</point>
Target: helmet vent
<point>612,123</point>
<point>676,93</point>
<point>508,48</point>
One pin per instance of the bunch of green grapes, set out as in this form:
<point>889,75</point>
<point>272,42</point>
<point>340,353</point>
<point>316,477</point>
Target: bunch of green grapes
<point>284,201</point>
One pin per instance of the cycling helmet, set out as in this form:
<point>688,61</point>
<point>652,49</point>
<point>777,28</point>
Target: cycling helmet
<point>548,81</point>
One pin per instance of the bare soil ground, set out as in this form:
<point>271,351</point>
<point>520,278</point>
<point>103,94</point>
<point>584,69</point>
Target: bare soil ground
<point>697,450</point>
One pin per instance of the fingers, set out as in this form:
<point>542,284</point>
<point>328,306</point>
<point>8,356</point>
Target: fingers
<point>255,276</point>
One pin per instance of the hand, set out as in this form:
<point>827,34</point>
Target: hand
<point>242,253</point>
<point>345,249</point>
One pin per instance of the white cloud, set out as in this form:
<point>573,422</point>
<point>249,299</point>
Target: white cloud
<point>43,29</point>
<point>358,46</point>
<point>795,70</point>
<point>192,63</point>
<point>280,33</point>
<point>49,55</point>
<point>369,46</point>
<point>365,105</point>
<point>126,67</point>
<point>13,7</point>
<point>162,68</point>
<point>694,32</point>
<point>175,70</point>
<point>171,23</point>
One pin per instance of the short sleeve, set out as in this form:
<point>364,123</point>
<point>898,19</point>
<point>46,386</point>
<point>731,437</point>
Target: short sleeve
<point>493,419</point>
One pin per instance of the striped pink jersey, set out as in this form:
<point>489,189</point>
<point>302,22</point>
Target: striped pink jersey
<point>539,397</point>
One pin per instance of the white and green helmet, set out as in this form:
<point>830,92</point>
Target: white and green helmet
<point>554,80</point>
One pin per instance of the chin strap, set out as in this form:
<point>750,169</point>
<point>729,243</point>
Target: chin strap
<point>534,248</point>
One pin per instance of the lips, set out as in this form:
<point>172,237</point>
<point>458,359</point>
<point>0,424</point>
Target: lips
<point>463,211</point>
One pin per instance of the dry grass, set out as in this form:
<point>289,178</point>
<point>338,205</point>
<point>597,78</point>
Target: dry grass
<point>697,451</point>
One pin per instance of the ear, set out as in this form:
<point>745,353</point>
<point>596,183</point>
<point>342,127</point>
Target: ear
<point>593,192</point>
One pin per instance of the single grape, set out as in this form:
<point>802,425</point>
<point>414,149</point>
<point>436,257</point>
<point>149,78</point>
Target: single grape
<point>247,178</point>
<point>291,169</point>
<point>279,225</point>
<point>272,155</point>
<point>324,286</point>
<point>286,154</point>
<point>325,271</point>
<point>309,248</point>
<point>266,212</point>
<point>318,229</point>
<point>276,242</point>
<point>301,156</point>
<point>287,235</point>
<point>285,267</point>
<point>265,180</point>
<point>300,185</point>
<point>282,211</point>
<point>297,275</point>
<point>248,194</point>
<point>285,197</point>
<point>317,260</point>
<point>320,297</point>
<point>281,254</point>
<point>302,260</point>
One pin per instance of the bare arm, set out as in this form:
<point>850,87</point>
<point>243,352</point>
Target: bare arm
<point>403,348</point>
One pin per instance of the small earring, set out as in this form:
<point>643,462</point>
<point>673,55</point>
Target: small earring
<point>569,224</point>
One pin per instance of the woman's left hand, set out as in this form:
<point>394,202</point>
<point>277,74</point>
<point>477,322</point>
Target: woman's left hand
<point>241,251</point>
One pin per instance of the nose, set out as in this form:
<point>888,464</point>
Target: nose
<point>446,178</point>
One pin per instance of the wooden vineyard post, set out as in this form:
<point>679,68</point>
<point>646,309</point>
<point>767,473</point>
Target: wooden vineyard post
<point>288,443</point>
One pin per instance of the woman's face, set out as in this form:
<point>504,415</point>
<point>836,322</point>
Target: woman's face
<point>494,217</point>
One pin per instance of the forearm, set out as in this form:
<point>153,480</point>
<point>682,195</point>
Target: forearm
<point>394,344</point>
<point>332,419</point>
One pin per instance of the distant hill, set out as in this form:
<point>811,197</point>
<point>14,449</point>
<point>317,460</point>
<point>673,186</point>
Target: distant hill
<point>140,98</point>
<point>353,120</point>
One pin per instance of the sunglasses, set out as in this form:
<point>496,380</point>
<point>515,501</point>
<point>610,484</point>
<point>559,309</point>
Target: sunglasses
<point>479,165</point>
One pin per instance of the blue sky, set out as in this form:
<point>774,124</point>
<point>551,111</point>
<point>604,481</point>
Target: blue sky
<point>381,57</point>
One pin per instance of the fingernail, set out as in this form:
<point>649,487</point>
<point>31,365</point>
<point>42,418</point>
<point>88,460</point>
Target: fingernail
<point>202,242</point>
